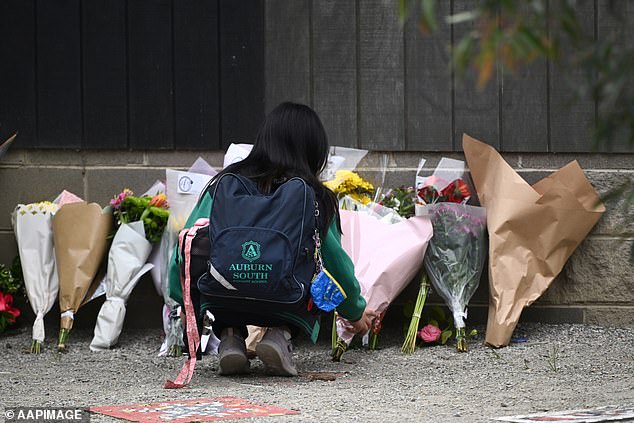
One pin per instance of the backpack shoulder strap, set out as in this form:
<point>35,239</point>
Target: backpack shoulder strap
<point>185,238</point>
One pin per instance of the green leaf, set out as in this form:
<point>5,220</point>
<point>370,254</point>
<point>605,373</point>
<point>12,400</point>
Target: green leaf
<point>438,314</point>
<point>462,53</point>
<point>473,333</point>
<point>469,15</point>
<point>429,14</point>
<point>445,335</point>
<point>434,323</point>
<point>403,11</point>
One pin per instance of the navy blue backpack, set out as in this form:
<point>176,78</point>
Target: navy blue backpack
<point>262,246</point>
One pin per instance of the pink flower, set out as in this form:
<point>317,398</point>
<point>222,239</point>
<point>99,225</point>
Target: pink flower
<point>6,301</point>
<point>117,200</point>
<point>429,333</point>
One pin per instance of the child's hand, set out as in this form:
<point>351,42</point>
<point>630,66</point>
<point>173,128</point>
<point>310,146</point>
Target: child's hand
<point>365,322</point>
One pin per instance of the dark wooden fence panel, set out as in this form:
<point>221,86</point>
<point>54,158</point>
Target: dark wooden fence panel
<point>335,69</point>
<point>105,108</point>
<point>616,24</point>
<point>196,74</point>
<point>17,72</point>
<point>381,79</point>
<point>59,96</point>
<point>241,77</point>
<point>571,120</point>
<point>524,111</point>
<point>428,86</point>
<point>287,62</point>
<point>200,74</point>
<point>151,103</point>
<point>476,110</point>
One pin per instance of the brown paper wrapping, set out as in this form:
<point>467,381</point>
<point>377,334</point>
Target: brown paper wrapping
<point>533,230</point>
<point>80,233</point>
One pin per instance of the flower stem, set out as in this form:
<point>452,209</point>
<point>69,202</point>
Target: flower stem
<point>174,351</point>
<point>333,335</point>
<point>63,337</point>
<point>374,338</point>
<point>36,347</point>
<point>461,340</point>
<point>409,346</point>
<point>339,349</point>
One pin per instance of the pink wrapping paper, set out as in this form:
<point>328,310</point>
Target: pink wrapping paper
<point>386,256</point>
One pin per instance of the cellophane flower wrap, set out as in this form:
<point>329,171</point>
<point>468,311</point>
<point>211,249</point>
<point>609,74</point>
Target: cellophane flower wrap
<point>182,189</point>
<point>140,222</point>
<point>456,253</point>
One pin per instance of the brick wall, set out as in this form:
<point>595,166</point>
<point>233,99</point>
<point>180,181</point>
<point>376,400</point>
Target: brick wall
<point>596,285</point>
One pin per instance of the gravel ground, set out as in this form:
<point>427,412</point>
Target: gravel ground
<point>560,367</point>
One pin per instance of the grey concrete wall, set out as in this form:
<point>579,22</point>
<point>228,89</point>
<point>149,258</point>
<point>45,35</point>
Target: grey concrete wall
<point>596,285</point>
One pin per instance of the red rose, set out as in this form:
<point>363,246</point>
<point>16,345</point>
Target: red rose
<point>6,300</point>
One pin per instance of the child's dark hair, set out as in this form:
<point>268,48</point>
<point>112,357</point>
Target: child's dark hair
<point>291,142</point>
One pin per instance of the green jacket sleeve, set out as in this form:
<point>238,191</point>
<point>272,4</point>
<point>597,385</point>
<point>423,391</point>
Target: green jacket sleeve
<point>339,265</point>
<point>174,278</point>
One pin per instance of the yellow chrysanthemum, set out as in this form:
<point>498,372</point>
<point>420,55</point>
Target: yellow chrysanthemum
<point>347,182</point>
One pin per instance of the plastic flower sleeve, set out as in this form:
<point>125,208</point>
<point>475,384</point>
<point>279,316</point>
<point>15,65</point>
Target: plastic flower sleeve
<point>183,189</point>
<point>456,255</point>
<point>341,158</point>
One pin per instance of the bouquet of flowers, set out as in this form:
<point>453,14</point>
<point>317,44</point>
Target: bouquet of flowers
<point>387,253</point>
<point>151,210</point>
<point>349,183</point>
<point>80,232</point>
<point>455,257</point>
<point>140,221</point>
<point>182,189</point>
<point>10,284</point>
<point>533,230</point>
<point>457,251</point>
<point>32,225</point>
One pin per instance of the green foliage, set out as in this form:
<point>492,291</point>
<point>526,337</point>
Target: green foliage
<point>553,359</point>
<point>401,200</point>
<point>437,316</point>
<point>508,35</point>
<point>11,278</point>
